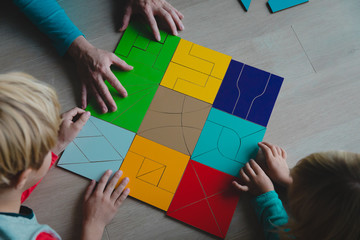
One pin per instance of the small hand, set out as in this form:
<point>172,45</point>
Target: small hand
<point>93,67</point>
<point>276,166</point>
<point>69,128</point>
<point>253,180</point>
<point>150,9</point>
<point>101,203</point>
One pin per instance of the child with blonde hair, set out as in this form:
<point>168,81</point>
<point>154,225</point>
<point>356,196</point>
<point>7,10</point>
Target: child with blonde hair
<point>323,194</point>
<point>32,134</point>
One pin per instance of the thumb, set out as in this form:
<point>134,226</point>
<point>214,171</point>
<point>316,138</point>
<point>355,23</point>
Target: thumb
<point>82,120</point>
<point>239,187</point>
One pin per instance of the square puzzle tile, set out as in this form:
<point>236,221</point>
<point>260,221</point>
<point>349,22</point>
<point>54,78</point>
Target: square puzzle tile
<point>154,172</point>
<point>227,142</point>
<point>150,60</point>
<point>196,71</point>
<point>248,92</point>
<point>174,120</point>
<point>205,199</point>
<point>98,147</point>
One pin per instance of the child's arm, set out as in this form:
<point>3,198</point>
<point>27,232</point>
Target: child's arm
<point>101,203</point>
<point>276,167</point>
<point>268,206</point>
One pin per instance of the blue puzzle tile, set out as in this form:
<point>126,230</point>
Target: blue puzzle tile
<point>246,4</point>
<point>99,146</point>
<point>227,142</point>
<point>278,5</point>
<point>248,92</point>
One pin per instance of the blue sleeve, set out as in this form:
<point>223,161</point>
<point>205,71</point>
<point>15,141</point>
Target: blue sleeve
<point>271,213</point>
<point>52,20</point>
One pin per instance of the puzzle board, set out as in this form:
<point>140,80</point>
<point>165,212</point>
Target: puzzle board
<point>184,101</point>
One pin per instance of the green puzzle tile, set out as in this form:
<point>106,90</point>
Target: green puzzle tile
<point>150,60</point>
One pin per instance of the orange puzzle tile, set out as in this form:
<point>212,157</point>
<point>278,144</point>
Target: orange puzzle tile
<point>196,71</point>
<point>154,171</point>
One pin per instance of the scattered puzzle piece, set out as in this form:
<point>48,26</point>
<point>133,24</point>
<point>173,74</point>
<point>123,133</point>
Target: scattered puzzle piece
<point>174,120</point>
<point>245,3</point>
<point>154,171</point>
<point>248,92</point>
<point>227,142</point>
<point>278,5</point>
<point>205,199</point>
<point>98,147</point>
<point>196,71</point>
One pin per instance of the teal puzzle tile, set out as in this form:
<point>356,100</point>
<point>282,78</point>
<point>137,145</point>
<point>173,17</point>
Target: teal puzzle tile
<point>246,4</point>
<point>99,146</point>
<point>227,142</point>
<point>278,5</point>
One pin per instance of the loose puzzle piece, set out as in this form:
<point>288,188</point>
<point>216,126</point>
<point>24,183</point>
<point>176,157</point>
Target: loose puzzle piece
<point>98,147</point>
<point>278,5</point>
<point>154,171</point>
<point>246,4</point>
<point>227,142</point>
<point>205,199</point>
<point>174,120</point>
<point>248,92</point>
<point>150,60</point>
<point>196,71</point>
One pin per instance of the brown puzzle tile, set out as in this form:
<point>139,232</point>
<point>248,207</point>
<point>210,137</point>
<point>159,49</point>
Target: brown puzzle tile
<point>174,120</point>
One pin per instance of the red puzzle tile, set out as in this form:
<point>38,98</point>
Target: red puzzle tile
<point>205,199</point>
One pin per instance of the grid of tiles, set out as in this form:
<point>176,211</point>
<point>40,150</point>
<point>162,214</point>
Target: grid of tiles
<point>193,113</point>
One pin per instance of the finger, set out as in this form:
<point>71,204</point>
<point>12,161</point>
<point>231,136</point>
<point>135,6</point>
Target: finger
<point>80,123</point>
<point>249,171</point>
<point>243,175</point>
<point>126,18</point>
<point>104,93</point>
<point>267,151</point>
<point>120,189</point>
<point>116,84</point>
<point>121,63</point>
<point>175,17</point>
<point>151,19</point>
<point>122,197</point>
<point>111,185</point>
<point>257,169</point>
<point>278,150</point>
<point>69,115</point>
<point>103,181</point>
<point>83,95</point>
<point>98,99</point>
<point>283,153</point>
<point>180,15</point>
<point>89,190</point>
<point>240,187</point>
<point>164,14</point>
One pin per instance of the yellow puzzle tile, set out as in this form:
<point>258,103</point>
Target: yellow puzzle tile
<point>196,71</point>
<point>154,171</point>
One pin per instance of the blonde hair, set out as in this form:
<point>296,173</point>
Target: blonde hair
<point>324,199</point>
<point>29,124</point>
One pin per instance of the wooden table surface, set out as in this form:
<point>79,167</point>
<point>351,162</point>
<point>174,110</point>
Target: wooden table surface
<point>314,46</point>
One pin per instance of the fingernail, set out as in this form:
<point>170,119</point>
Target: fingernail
<point>104,110</point>
<point>126,179</point>
<point>113,109</point>
<point>158,38</point>
<point>87,114</point>
<point>109,171</point>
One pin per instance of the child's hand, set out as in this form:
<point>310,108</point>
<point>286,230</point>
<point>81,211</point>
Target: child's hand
<point>69,128</point>
<point>276,166</point>
<point>253,180</point>
<point>101,204</point>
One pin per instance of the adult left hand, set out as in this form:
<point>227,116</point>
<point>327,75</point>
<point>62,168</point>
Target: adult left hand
<point>150,9</point>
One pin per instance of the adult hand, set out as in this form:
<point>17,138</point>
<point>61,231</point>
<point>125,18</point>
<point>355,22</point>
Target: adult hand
<point>253,180</point>
<point>276,167</point>
<point>150,9</point>
<point>101,203</point>
<point>69,128</point>
<point>93,67</point>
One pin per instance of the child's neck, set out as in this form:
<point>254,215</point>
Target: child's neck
<point>10,200</point>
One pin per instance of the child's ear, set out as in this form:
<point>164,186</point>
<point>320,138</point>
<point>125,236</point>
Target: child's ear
<point>22,179</point>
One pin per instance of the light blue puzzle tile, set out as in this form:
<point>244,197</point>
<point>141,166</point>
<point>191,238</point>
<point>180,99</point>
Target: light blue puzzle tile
<point>246,4</point>
<point>278,5</point>
<point>92,170</point>
<point>89,129</point>
<point>119,138</point>
<point>227,142</point>
<point>73,154</point>
<point>97,148</point>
